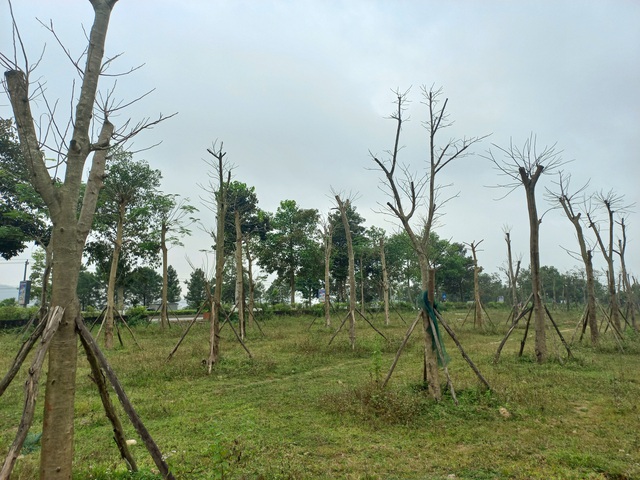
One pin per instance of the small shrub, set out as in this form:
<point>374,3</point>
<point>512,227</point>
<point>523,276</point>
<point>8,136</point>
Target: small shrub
<point>137,316</point>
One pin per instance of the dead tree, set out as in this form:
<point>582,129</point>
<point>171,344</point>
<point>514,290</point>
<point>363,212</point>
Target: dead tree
<point>566,200</point>
<point>220,178</point>
<point>612,203</point>
<point>477,302</point>
<point>327,240</point>
<point>385,281</point>
<point>512,276</point>
<point>406,192</point>
<point>524,167</point>
<point>630,306</point>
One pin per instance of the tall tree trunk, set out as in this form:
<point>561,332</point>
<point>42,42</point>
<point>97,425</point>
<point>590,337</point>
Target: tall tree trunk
<point>352,275</point>
<point>109,314</point>
<point>385,282</point>
<point>512,278</point>
<point>292,287</point>
<point>534,250</point>
<point>57,451</point>
<point>251,299</point>
<point>362,309</point>
<point>476,288</point>
<point>587,259</point>
<point>328,245</point>
<point>239,277</point>
<point>164,307</point>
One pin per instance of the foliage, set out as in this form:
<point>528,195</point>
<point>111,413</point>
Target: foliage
<point>196,289</point>
<point>144,286</point>
<point>90,289</point>
<point>127,203</point>
<point>14,312</point>
<point>173,285</point>
<point>137,316</point>
<point>23,216</point>
<point>292,236</point>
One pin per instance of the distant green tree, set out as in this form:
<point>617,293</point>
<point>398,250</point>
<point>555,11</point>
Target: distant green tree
<point>292,234</point>
<point>144,286</point>
<point>90,289</point>
<point>23,215</point>
<point>196,289</point>
<point>174,291</point>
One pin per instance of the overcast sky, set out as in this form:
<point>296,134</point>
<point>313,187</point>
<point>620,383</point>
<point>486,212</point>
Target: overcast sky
<point>299,92</point>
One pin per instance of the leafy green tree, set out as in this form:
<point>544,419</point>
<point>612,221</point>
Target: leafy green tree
<point>23,215</point>
<point>174,290</point>
<point>454,268</point>
<point>90,289</point>
<point>124,222</point>
<point>292,234</point>
<point>144,286</point>
<point>196,289</point>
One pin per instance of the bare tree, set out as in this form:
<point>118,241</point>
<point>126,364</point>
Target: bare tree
<point>407,191</point>
<point>612,204</point>
<point>512,275</point>
<point>385,280</point>
<point>626,282</point>
<point>70,226</point>
<point>327,240</point>
<point>566,200</point>
<point>477,303</point>
<point>342,206</point>
<point>524,167</point>
<point>220,178</point>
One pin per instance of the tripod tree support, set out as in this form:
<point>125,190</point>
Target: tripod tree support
<point>31,391</point>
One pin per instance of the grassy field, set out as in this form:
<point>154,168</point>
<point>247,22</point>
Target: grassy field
<point>302,409</point>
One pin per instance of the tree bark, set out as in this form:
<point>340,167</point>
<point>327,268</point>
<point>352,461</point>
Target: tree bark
<point>529,184</point>
<point>109,321</point>
<point>476,288</point>
<point>164,306</point>
<point>239,277</point>
<point>352,275</point>
<point>251,299</point>
<point>385,282</point>
<point>328,245</point>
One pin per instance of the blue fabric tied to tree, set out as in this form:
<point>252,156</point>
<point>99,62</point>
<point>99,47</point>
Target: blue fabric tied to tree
<point>443,359</point>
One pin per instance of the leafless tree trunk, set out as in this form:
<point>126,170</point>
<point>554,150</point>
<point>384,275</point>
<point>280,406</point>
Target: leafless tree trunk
<point>164,314</point>
<point>513,276</point>
<point>251,300</point>
<point>385,281</point>
<point>565,200</point>
<point>70,228</point>
<point>113,273</point>
<point>612,203</point>
<point>327,235</point>
<point>628,295</point>
<point>406,194</point>
<point>223,178</point>
<point>342,206</point>
<point>478,317</point>
<point>239,276</point>
<point>524,167</point>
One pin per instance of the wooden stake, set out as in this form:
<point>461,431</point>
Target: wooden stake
<point>31,391</point>
<point>153,449</point>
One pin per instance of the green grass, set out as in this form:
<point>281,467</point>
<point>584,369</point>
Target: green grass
<point>302,409</point>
